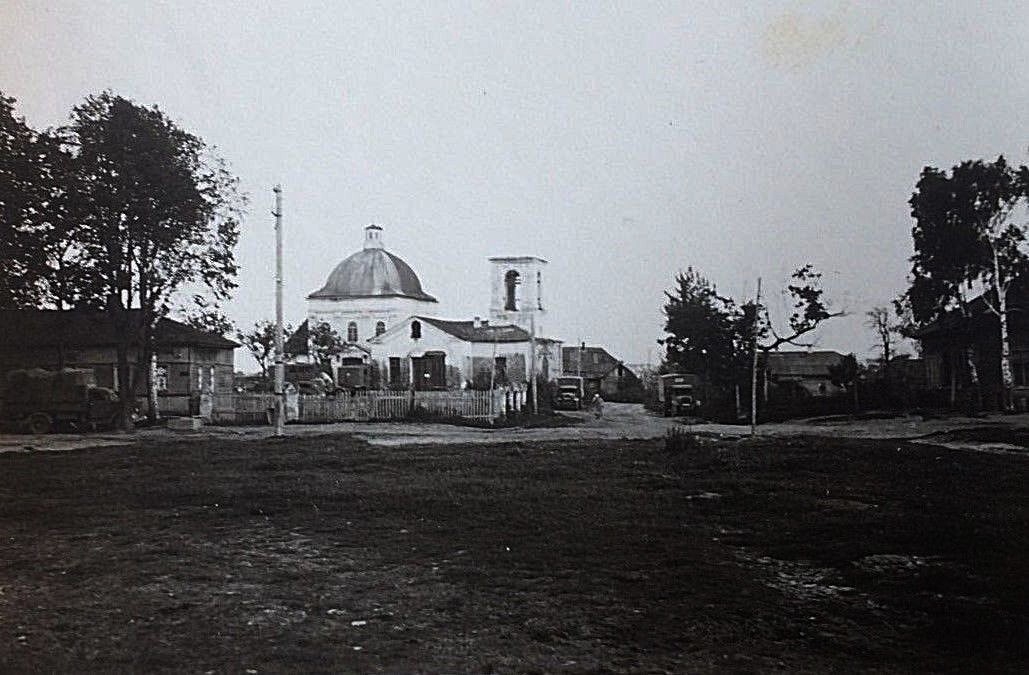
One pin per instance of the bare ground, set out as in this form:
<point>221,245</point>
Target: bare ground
<point>327,553</point>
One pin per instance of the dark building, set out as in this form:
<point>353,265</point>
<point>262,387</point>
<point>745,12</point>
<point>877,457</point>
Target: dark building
<point>602,373</point>
<point>945,352</point>
<point>801,374</point>
<point>188,361</point>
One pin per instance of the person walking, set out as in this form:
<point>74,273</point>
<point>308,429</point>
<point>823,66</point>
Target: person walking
<point>597,404</point>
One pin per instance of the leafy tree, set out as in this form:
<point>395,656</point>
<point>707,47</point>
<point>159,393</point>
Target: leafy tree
<point>326,344</point>
<point>206,315</point>
<point>260,342</point>
<point>718,337</point>
<point>38,256</point>
<point>966,243</point>
<point>699,328</point>
<point>159,211</point>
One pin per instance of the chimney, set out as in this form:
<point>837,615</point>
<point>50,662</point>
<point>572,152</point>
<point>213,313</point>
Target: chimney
<point>373,236</point>
<point>476,322</point>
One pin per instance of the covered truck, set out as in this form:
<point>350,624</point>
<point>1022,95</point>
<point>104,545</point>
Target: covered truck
<point>679,393</point>
<point>39,400</point>
<point>570,393</point>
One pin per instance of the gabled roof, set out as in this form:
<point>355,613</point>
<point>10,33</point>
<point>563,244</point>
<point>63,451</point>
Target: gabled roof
<point>297,342</point>
<point>467,331</point>
<point>802,363</point>
<point>32,328</point>
<point>596,361</point>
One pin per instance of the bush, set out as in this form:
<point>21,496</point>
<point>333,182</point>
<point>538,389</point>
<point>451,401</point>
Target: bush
<point>678,439</point>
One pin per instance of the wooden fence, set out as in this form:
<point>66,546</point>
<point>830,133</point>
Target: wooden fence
<point>363,406</point>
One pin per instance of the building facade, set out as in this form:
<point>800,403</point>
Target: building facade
<point>187,362</point>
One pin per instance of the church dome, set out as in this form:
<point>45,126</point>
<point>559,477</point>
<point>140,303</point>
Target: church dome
<point>372,272</point>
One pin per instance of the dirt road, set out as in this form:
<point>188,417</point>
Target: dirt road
<point>620,421</point>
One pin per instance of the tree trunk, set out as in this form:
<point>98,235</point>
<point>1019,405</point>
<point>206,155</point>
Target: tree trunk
<point>126,394</point>
<point>973,376</point>
<point>1006,377</point>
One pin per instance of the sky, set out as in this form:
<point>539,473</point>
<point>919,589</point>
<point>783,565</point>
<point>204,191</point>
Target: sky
<point>621,141</point>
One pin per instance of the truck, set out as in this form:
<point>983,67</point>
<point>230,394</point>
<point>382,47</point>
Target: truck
<point>571,391</point>
<point>38,400</point>
<point>678,394</point>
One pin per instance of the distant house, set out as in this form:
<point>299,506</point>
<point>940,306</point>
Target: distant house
<point>602,372</point>
<point>801,374</point>
<point>188,361</point>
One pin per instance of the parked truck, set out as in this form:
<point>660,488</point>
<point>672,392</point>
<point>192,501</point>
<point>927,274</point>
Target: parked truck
<point>571,391</point>
<point>679,394</point>
<point>39,400</point>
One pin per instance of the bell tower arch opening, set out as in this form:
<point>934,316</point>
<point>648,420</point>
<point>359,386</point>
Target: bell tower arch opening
<point>516,285</point>
<point>511,281</point>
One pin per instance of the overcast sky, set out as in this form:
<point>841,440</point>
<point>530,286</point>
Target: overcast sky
<point>622,142</point>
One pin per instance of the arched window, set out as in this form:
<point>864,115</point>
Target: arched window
<point>416,330</point>
<point>380,328</point>
<point>511,282</point>
<point>352,331</point>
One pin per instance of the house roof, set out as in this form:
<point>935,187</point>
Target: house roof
<point>592,367</point>
<point>802,364</point>
<point>467,331</point>
<point>31,328</point>
<point>297,342</point>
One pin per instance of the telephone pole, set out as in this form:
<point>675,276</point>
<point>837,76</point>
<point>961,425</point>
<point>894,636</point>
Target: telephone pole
<point>280,368</point>
<point>532,361</point>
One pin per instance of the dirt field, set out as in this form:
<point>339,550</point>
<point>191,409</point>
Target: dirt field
<point>326,553</point>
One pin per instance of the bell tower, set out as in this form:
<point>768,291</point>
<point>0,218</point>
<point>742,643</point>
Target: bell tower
<point>516,292</point>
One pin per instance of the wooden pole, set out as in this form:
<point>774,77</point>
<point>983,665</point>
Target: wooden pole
<point>280,369</point>
<point>532,362</point>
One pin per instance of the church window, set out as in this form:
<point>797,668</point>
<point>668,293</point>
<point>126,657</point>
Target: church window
<point>380,328</point>
<point>511,282</point>
<point>539,290</point>
<point>352,331</point>
<point>416,330</point>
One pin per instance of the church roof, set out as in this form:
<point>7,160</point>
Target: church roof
<point>372,272</point>
<point>469,332</point>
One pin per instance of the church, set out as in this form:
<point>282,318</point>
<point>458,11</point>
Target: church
<point>395,337</point>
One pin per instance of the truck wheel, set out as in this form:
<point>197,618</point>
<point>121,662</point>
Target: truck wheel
<point>40,423</point>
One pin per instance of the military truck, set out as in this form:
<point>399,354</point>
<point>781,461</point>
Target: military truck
<point>678,394</point>
<point>38,401</point>
<point>570,393</point>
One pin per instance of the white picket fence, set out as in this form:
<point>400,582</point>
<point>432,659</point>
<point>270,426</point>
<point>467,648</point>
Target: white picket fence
<point>363,406</point>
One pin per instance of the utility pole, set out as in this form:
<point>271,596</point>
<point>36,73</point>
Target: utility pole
<point>753,367</point>
<point>280,368</point>
<point>532,361</point>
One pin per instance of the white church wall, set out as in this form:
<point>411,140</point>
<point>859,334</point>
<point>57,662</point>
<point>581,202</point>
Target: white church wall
<point>366,313</point>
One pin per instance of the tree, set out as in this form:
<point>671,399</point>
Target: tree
<point>326,344</point>
<point>260,342</point>
<point>159,211</point>
<point>699,328</point>
<point>845,374</point>
<point>207,315</point>
<point>38,253</point>
<point>880,321</point>
<point>966,243</point>
<point>719,338</point>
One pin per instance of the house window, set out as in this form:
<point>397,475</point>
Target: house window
<point>511,282</point>
<point>380,328</point>
<point>352,331</point>
<point>396,377</point>
<point>500,370</point>
<point>416,330</point>
<point>596,358</point>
